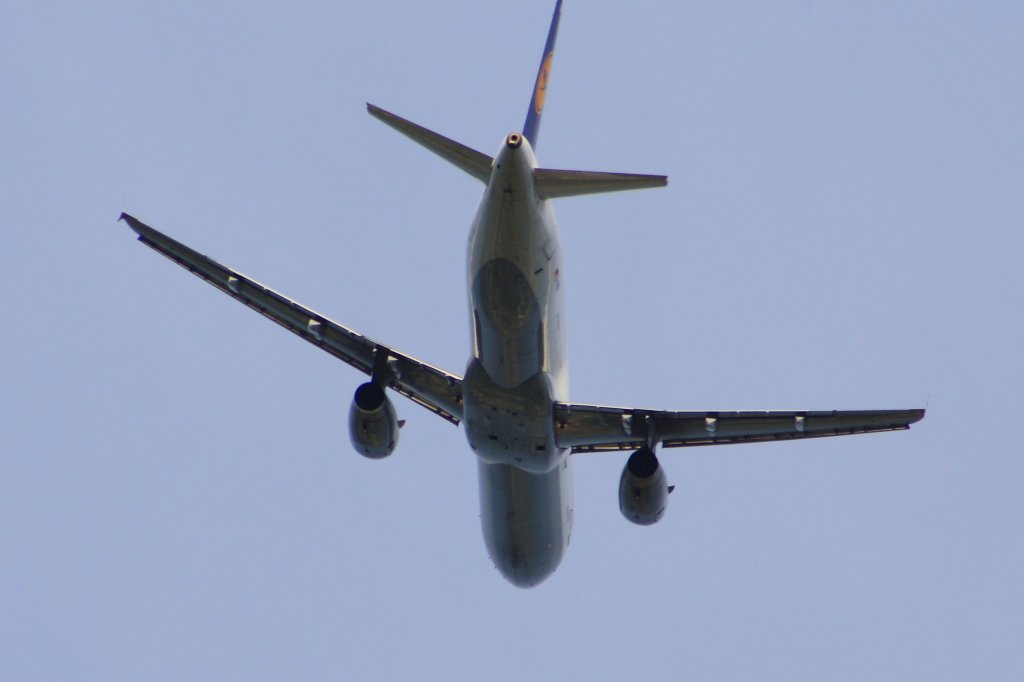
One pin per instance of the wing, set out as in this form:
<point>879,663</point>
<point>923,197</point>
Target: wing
<point>433,388</point>
<point>592,428</point>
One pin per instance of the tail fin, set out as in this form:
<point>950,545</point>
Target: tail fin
<point>540,89</point>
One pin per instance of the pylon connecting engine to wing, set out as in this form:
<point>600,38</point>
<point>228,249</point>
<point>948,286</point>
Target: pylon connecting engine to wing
<point>643,489</point>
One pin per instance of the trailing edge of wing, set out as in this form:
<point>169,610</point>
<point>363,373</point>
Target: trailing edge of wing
<point>433,388</point>
<point>468,159</point>
<point>593,428</point>
<point>553,184</point>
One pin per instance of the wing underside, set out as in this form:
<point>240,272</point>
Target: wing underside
<point>433,388</point>
<point>584,428</point>
<point>594,428</point>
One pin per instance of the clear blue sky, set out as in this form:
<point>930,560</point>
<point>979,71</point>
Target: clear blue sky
<point>842,229</point>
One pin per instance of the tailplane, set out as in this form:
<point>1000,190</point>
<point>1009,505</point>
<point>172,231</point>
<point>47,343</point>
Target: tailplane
<point>553,184</point>
<point>550,183</point>
<point>468,159</point>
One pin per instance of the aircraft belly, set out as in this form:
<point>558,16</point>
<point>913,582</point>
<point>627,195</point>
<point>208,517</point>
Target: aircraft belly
<point>516,373</point>
<point>512,426</point>
<point>509,327</point>
<point>525,520</point>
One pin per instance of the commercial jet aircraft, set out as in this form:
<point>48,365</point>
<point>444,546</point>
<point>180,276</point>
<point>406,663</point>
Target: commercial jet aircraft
<point>514,396</point>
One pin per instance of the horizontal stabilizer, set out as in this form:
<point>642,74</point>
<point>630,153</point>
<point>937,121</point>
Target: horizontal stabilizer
<point>470,160</point>
<point>552,184</point>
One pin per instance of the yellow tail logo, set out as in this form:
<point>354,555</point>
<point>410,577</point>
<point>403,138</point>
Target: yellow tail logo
<point>541,90</point>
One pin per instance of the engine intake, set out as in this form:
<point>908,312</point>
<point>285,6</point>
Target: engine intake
<point>372,423</point>
<point>643,490</point>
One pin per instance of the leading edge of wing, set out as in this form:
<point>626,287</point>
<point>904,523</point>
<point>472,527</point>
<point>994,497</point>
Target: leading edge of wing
<point>433,388</point>
<point>594,428</point>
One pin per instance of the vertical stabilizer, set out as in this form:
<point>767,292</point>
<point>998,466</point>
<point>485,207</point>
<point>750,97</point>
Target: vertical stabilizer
<point>540,89</point>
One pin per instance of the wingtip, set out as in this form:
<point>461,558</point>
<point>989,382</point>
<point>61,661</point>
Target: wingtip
<point>377,112</point>
<point>916,415</point>
<point>137,226</point>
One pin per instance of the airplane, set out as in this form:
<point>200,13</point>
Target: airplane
<point>513,398</point>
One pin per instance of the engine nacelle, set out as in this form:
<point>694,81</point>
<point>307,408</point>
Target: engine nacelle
<point>643,490</point>
<point>372,422</point>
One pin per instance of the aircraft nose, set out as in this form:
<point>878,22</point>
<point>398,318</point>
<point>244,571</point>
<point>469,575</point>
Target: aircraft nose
<point>514,141</point>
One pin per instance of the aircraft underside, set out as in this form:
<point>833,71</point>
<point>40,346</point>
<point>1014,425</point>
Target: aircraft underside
<point>514,397</point>
<point>512,382</point>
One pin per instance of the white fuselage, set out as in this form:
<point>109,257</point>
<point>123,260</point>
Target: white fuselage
<point>518,369</point>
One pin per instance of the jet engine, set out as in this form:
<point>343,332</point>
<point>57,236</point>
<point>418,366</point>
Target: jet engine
<point>372,423</point>
<point>643,492</point>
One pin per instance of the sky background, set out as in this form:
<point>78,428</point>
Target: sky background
<point>842,230</point>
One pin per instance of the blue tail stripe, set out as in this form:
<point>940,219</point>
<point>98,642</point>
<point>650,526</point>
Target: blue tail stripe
<point>540,88</point>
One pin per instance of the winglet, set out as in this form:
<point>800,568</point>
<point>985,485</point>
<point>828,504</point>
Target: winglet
<point>540,88</point>
<point>137,226</point>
